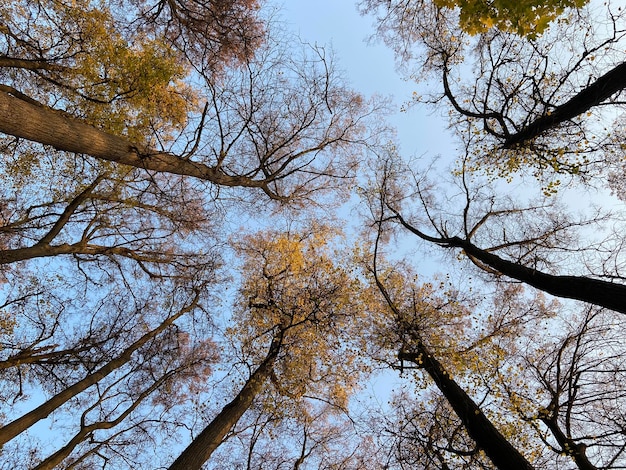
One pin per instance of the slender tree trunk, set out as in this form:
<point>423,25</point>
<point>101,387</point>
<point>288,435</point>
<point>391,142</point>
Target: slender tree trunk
<point>85,430</point>
<point>201,448</point>
<point>592,95</point>
<point>487,437</point>
<point>14,428</point>
<point>594,291</point>
<point>42,247</point>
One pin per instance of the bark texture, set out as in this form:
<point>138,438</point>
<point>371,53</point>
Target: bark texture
<point>46,126</point>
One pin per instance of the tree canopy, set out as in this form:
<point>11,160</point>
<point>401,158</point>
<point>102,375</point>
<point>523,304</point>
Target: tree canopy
<point>213,251</point>
<point>523,17</point>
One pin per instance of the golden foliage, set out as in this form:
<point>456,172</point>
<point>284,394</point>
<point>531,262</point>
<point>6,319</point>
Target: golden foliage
<point>292,283</point>
<point>126,83</point>
<point>524,17</point>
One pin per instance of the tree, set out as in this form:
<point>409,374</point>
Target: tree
<point>522,111</point>
<point>481,217</point>
<point>10,430</point>
<point>100,384</point>
<point>116,216</point>
<point>541,376</point>
<point>573,399</point>
<point>294,297</point>
<point>546,107</point>
<point>276,122</point>
<point>139,121</point>
<point>412,327</point>
<point>527,104</point>
<point>526,18</point>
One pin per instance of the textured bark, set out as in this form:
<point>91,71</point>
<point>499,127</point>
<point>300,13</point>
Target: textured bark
<point>49,127</point>
<point>592,95</point>
<point>201,448</point>
<point>29,64</point>
<point>14,428</point>
<point>42,250</point>
<point>481,430</point>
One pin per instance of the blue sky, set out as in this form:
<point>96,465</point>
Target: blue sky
<point>369,67</point>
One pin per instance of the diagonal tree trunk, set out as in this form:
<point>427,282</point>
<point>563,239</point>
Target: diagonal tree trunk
<point>57,458</point>
<point>19,425</point>
<point>592,95</point>
<point>46,126</point>
<point>201,448</point>
<point>594,291</point>
<point>487,437</point>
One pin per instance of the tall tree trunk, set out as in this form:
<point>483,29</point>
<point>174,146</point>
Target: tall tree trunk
<point>201,448</point>
<point>14,428</point>
<point>594,291</point>
<point>592,95</point>
<point>487,437</point>
<point>26,120</point>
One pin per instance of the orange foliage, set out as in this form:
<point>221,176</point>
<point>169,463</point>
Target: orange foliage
<point>292,282</point>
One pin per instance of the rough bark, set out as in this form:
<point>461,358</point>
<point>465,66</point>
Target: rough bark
<point>42,250</point>
<point>592,95</point>
<point>499,450</point>
<point>19,425</point>
<point>46,126</point>
<point>201,448</point>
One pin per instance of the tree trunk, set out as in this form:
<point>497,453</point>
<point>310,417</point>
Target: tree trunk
<point>201,448</point>
<point>592,95</point>
<point>46,126</point>
<point>22,423</point>
<point>481,430</point>
<point>594,291</point>
<point>42,250</point>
